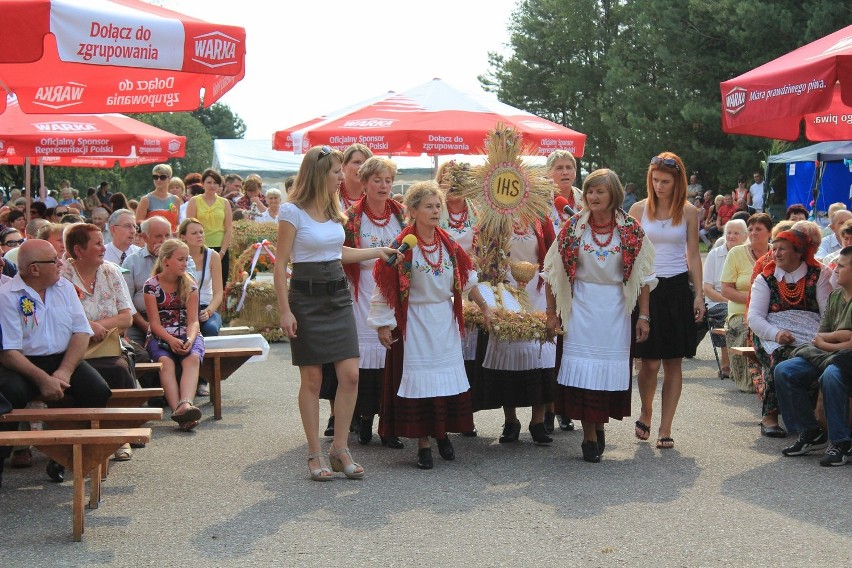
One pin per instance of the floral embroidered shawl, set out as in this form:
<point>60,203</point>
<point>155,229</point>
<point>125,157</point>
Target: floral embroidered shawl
<point>394,282</point>
<point>560,265</point>
<point>352,230</point>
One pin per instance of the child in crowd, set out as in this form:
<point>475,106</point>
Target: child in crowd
<point>171,300</point>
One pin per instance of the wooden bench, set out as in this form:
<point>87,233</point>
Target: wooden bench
<point>142,368</point>
<point>81,451</point>
<point>745,352</point>
<point>86,419</point>
<point>121,398</point>
<point>218,365</point>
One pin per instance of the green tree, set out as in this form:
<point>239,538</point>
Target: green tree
<point>220,121</point>
<point>642,76</point>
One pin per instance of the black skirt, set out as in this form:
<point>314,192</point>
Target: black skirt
<point>325,330</point>
<point>673,330</point>
<point>369,391</point>
<point>519,389</point>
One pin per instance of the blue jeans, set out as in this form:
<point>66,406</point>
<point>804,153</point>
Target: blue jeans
<point>210,328</point>
<point>792,378</point>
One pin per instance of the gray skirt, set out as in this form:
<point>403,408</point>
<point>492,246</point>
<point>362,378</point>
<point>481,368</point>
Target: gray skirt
<point>322,305</point>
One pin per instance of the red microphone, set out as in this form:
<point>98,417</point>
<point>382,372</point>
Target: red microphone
<point>561,204</point>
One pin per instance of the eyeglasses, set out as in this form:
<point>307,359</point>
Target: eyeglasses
<point>55,212</point>
<point>53,261</point>
<point>668,162</point>
<point>324,151</point>
<point>13,243</point>
<point>160,177</point>
<point>128,226</point>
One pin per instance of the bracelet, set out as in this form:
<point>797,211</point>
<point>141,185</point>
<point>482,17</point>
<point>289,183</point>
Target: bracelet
<point>550,309</point>
<point>646,318</point>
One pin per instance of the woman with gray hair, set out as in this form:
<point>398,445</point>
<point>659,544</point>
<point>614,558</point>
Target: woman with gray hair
<point>273,205</point>
<point>160,201</point>
<point>736,234</point>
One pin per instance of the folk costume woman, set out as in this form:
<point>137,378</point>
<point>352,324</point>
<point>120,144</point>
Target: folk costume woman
<point>459,219</point>
<point>785,307</point>
<point>417,311</point>
<point>520,373</point>
<point>373,221</point>
<point>600,267</point>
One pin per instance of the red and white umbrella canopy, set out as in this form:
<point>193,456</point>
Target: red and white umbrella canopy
<point>433,118</point>
<point>114,56</point>
<point>83,140</point>
<point>814,81</point>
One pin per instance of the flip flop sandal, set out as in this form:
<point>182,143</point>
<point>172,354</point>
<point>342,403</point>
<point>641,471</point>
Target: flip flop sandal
<point>191,414</point>
<point>665,443</point>
<point>646,430</point>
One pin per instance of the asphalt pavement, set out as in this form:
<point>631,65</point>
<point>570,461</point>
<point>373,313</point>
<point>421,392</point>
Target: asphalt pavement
<point>236,492</point>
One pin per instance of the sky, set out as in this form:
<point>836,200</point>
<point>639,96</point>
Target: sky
<point>307,58</point>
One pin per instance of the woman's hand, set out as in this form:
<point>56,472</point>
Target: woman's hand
<point>698,308</point>
<point>385,336</point>
<point>486,316</point>
<point>643,330</point>
<point>288,324</point>
<point>386,252</point>
<point>175,345</point>
<point>554,324</point>
<point>204,315</point>
<point>100,332</point>
<point>784,337</point>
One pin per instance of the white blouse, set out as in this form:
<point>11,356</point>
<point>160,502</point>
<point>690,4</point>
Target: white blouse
<point>315,241</point>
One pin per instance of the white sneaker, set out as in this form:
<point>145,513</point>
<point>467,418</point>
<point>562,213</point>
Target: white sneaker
<point>202,390</point>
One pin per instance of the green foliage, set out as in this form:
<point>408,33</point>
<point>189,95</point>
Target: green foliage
<point>220,121</point>
<point>642,76</point>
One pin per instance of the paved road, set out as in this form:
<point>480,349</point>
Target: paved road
<point>236,492</point>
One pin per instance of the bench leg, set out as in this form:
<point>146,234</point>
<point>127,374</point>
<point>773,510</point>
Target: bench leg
<point>216,388</point>
<point>95,487</point>
<point>79,493</point>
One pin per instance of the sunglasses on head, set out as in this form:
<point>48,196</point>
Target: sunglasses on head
<point>324,151</point>
<point>160,177</point>
<point>668,162</point>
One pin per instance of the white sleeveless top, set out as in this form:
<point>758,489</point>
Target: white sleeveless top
<point>669,245</point>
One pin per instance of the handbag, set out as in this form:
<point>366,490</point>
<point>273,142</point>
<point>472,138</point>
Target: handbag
<point>110,346</point>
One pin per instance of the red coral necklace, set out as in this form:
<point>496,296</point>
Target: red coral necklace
<point>605,229</point>
<point>378,221</point>
<point>431,248</point>
<point>457,220</point>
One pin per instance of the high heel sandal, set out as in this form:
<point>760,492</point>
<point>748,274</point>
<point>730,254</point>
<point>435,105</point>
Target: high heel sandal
<point>319,473</point>
<point>350,469</point>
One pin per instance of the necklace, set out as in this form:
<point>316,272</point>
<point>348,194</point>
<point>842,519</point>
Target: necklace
<point>90,286</point>
<point>378,221</point>
<point>457,220</point>
<point>792,294</point>
<point>605,229</point>
<point>431,248</point>
<point>347,202</point>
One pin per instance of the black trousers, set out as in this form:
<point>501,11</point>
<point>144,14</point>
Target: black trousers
<point>87,387</point>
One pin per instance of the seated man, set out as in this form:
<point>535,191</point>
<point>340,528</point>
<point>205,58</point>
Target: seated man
<point>122,230</point>
<point>832,243</point>
<point>810,363</point>
<point>44,334</point>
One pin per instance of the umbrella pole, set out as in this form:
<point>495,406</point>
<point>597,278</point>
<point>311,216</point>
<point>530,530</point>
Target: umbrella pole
<point>28,192</point>
<point>816,189</point>
<point>434,166</point>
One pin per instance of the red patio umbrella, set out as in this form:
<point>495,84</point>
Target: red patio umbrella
<point>82,140</point>
<point>433,118</point>
<point>814,81</point>
<point>63,56</point>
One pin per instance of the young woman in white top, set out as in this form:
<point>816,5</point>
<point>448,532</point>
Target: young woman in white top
<point>316,306</point>
<point>671,223</point>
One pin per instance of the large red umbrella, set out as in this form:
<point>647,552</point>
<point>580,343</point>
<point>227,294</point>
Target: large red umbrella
<point>81,140</point>
<point>433,118</point>
<point>812,83</point>
<point>63,56</point>
<point>62,137</point>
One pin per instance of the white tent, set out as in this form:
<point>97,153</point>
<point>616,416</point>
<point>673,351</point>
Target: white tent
<point>238,156</point>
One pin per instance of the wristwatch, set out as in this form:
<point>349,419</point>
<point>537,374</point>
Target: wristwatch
<point>646,318</point>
